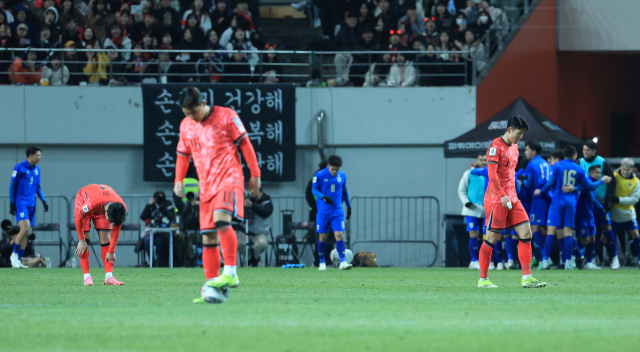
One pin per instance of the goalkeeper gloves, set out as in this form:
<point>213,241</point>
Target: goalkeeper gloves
<point>468,204</point>
<point>348,213</point>
<point>12,209</point>
<point>327,200</point>
<point>46,206</point>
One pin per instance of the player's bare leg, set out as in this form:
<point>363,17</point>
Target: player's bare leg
<point>229,246</point>
<point>343,263</point>
<point>22,239</point>
<point>322,251</point>
<point>107,258</point>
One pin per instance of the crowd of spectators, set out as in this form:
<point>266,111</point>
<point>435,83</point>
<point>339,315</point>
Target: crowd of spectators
<point>105,25</point>
<point>405,25</point>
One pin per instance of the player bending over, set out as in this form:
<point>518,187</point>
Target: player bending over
<point>211,134</point>
<point>100,204</point>
<point>562,212</point>
<point>330,188</point>
<point>502,208</point>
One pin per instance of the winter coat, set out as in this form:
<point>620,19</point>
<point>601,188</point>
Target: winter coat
<point>55,77</point>
<point>397,79</point>
<point>22,74</point>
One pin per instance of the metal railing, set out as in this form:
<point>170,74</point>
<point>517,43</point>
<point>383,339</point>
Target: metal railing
<point>59,213</point>
<point>401,231</point>
<point>295,67</point>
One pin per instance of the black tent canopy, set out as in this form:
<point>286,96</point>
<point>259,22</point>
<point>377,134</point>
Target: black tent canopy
<point>476,141</point>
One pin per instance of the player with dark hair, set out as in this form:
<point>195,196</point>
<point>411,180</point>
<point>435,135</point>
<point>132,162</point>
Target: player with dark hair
<point>330,189</point>
<point>562,211</point>
<point>100,204</point>
<point>25,185</point>
<point>211,136</point>
<point>604,195</point>
<point>502,208</point>
<point>537,176</point>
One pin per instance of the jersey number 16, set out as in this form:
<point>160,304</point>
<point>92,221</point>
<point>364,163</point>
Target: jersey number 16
<point>569,178</point>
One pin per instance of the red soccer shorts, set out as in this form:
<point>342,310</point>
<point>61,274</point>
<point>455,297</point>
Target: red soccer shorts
<point>100,222</point>
<point>499,218</point>
<point>229,200</point>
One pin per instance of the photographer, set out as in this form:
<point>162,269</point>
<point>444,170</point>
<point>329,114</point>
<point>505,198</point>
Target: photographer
<point>189,211</point>
<point>9,235</point>
<point>258,212</point>
<point>158,213</point>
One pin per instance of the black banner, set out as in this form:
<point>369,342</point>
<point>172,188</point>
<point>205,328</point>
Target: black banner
<point>266,110</point>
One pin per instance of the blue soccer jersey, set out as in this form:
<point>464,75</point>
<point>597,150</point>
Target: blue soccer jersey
<point>538,173</point>
<point>334,187</point>
<point>484,172</point>
<point>587,207</point>
<point>25,185</point>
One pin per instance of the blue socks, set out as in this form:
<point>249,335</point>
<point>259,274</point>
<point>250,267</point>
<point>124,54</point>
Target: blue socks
<point>538,238</point>
<point>340,248</point>
<point>322,251</point>
<point>612,243</point>
<point>498,251</point>
<point>590,252</point>
<point>636,245</point>
<point>561,249</point>
<point>16,248</point>
<point>548,246</point>
<point>509,247</point>
<point>568,248</point>
<point>20,254</point>
<point>473,249</point>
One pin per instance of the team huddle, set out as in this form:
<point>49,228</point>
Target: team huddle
<point>552,200</point>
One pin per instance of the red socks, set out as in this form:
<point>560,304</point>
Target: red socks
<point>84,262</point>
<point>485,259</point>
<point>524,254</point>
<point>229,244</point>
<point>211,260</point>
<point>108,266</point>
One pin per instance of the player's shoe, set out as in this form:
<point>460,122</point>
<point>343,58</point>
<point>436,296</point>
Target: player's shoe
<point>322,267</point>
<point>492,266</point>
<point>568,265</point>
<point>199,300</point>
<point>544,265</point>
<point>88,281</point>
<point>345,266</point>
<point>509,265</point>
<point>486,284</point>
<point>500,266</point>
<point>531,282</point>
<point>474,265</point>
<point>112,281</point>
<point>15,261</point>
<point>591,266</point>
<point>224,280</point>
<point>615,263</point>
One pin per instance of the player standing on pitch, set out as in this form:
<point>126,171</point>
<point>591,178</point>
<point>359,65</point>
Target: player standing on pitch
<point>330,188</point>
<point>101,204</point>
<point>502,208</point>
<point>25,185</point>
<point>211,134</point>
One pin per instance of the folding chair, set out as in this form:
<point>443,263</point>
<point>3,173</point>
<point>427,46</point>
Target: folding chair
<point>71,226</point>
<point>131,226</point>
<point>311,239</point>
<point>48,227</point>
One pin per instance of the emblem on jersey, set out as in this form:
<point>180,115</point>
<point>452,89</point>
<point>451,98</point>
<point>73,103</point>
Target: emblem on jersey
<point>22,215</point>
<point>36,172</point>
<point>190,135</point>
<point>492,151</point>
<point>239,125</point>
<point>85,209</point>
<point>326,180</point>
<point>339,179</point>
<point>14,173</point>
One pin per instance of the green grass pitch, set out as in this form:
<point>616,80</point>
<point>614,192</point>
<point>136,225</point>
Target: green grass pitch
<point>305,310</point>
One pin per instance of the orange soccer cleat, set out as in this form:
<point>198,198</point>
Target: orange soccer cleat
<point>112,281</point>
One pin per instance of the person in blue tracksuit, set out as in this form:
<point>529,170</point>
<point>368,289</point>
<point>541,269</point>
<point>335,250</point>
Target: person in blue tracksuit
<point>25,185</point>
<point>330,188</point>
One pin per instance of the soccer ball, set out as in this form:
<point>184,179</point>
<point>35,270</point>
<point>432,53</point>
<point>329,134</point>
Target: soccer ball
<point>348,256</point>
<point>214,295</point>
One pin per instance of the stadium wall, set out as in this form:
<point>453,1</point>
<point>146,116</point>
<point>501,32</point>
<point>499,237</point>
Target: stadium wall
<point>390,139</point>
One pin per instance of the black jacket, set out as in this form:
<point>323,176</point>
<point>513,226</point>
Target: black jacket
<point>347,38</point>
<point>156,216</point>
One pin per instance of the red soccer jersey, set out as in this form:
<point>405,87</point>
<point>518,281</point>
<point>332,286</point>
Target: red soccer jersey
<point>213,145</point>
<point>506,157</point>
<point>90,202</point>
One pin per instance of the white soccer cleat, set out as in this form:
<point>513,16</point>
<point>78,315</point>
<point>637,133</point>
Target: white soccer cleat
<point>500,266</point>
<point>510,265</point>
<point>615,263</point>
<point>474,265</point>
<point>573,261</point>
<point>591,266</point>
<point>492,266</point>
<point>322,267</point>
<point>15,262</point>
<point>545,265</point>
<point>345,266</point>
<point>568,265</point>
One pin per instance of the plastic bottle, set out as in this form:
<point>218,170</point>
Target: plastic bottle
<point>74,262</point>
<point>48,262</point>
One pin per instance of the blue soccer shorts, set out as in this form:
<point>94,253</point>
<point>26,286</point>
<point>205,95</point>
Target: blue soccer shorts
<point>326,222</point>
<point>539,211</point>
<point>629,225</point>
<point>585,225</point>
<point>602,218</point>
<point>24,212</point>
<point>473,223</point>
<point>561,215</point>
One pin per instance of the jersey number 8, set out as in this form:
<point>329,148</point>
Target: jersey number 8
<point>569,178</point>
<point>333,188</point>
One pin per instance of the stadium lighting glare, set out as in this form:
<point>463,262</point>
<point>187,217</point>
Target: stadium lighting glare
<point>595,139</point>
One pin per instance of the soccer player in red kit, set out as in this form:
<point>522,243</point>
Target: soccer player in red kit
<point>211,136</point>
<point>502,208</point>
<point>100,204</point>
